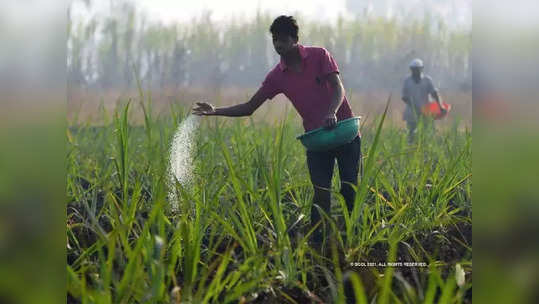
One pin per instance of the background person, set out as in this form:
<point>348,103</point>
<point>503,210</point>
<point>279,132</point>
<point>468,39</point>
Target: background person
<point>415,93</point>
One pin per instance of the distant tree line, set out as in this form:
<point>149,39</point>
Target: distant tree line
<point>373,53</point>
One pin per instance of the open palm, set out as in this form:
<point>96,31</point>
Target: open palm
<point>204,108</point>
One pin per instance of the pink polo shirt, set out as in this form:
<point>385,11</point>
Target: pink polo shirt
<point>309,91</point>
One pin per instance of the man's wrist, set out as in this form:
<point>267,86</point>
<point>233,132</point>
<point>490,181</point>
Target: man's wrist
<point>215,112</point>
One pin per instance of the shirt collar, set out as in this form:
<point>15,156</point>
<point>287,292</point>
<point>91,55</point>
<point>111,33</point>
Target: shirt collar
<point>302,52</point>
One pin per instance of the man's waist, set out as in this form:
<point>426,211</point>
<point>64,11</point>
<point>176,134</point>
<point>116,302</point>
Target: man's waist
<point>311,124</point>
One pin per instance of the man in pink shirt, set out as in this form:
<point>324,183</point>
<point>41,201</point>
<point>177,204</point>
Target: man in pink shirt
<point>309,77</point>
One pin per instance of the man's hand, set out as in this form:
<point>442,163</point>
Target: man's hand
<point>444,111</point>
<point>204,108</point>
<point>330,121</point>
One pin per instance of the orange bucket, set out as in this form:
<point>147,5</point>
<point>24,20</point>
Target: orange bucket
<point>433,109</point>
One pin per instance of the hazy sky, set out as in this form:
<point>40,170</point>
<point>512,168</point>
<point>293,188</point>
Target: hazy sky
<point>170,10</point>
<point>456,12</point>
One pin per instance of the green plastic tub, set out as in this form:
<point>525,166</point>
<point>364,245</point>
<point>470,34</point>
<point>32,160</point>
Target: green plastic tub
<point>323,139</point>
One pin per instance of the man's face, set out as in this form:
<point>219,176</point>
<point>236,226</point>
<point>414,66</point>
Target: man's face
<point>283,43</point>
<point>416,72</point>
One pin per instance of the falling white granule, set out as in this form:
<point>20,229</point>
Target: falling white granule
<point>180,161</point>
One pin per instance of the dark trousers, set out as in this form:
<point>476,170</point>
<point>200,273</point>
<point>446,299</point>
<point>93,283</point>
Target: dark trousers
<point>321,164</point>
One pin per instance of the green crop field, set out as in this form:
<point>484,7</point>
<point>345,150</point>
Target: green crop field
<point>241,231</point>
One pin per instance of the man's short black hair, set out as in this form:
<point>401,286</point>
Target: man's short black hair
<point>285,25</point>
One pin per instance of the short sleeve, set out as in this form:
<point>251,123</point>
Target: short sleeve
<point>270,86</point>
<point>327,63</point>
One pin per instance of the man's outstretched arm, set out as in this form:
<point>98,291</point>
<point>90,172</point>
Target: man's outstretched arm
<point>243,109</point>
